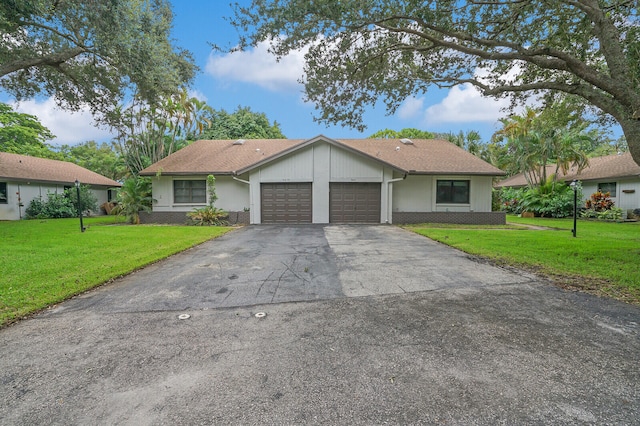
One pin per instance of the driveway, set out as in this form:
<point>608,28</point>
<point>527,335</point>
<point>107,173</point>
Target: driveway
<point>358,325</point>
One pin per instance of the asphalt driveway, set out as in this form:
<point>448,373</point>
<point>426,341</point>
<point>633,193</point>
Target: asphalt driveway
<point>358,325</point>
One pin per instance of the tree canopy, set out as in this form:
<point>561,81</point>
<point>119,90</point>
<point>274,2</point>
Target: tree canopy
<point>364,50</point>
<point>24,134</point>
<point>241,124</point>
<point>90,53</point>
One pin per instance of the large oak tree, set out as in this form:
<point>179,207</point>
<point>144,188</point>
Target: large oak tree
<point>364,50</point>
<point>90,52</point>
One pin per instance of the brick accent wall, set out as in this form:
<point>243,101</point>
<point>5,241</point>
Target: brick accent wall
<point>462,218</point>
<point>180,218</point>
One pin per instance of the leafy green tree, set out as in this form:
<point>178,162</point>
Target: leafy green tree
<point>90,52</point>
<point>101,158</point>
<point>133,197</point>
<point>470,141</point>
<point>409,133</point>
<point>363,50</point>
<point>149,132</point>
<point>24,134</point>
<point>241,124</point>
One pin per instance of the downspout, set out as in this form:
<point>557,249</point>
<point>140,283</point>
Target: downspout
<point>390,196</point>
<point>250,198</point>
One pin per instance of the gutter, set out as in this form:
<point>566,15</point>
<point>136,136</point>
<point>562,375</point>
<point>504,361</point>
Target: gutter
<point>240,180</point>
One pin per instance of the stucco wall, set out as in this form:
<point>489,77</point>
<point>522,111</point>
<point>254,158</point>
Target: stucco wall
<point>625,200</point>
<point>232,195</point>
<point>417,194</point>
<point>28,191</point>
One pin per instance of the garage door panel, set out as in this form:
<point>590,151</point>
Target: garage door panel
<point>286,202</point>
<point>354,203</point>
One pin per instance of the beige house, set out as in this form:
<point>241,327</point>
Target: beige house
<point>324,180</point>
<point>23,178</point>
<point>617,174</point>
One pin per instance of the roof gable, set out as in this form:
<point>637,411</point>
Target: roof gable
<point>419,156</point>
<point>26,168</point>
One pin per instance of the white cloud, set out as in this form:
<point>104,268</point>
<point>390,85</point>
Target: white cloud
<point>258,66</point>
<point>69,128</point>
<point>465,103</point>
<point>195,93</point>
<point>412,107</point>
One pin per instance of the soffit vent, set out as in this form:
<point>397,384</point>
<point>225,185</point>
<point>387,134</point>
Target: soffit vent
<point>239,142</point>
<point>406,141</point>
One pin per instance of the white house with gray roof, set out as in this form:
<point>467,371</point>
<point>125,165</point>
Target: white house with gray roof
<point>23,178</point>
<point>324,180</point>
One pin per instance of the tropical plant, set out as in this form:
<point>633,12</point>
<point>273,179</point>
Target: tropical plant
<point>149,132</point>
<point>133,197</point>
<point>599,201</point>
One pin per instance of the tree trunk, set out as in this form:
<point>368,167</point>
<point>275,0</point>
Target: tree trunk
<point>631,129</point>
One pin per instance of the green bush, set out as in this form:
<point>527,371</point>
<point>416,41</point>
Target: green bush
<point>208,216</point>
<point>88,200</point>
<point>614,213</point>
<point>552,199</point>
<point>57,206</point>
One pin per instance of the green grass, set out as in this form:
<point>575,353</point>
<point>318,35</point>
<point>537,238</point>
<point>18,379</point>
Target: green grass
<point>604,258</point>
<point>47,261</point>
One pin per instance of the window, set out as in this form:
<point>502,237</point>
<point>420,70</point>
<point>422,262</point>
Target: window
<point>190,191</point>
<point>609,187</point>
<point>3,193</point>
<point>452,191</point>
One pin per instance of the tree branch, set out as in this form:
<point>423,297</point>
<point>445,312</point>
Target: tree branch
<point>53,59</point>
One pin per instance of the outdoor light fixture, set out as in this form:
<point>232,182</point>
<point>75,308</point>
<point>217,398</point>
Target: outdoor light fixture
<point>574,186</point>
<point>79,205</point>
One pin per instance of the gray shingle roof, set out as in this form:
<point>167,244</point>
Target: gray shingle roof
<point>33,169</point>
<point>223,157</point>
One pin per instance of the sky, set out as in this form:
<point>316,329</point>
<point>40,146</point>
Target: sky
<point>254,79</point>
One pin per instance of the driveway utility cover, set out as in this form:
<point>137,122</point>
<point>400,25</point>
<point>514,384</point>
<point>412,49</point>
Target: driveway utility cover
<point>274,264</point>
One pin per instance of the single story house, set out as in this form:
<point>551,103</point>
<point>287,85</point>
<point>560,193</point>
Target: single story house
<point>23,178</point>
<point>616,174</point>
<point>324,180</point>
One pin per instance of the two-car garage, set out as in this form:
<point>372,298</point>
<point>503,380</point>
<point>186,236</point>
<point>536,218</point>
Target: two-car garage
<point>349,202</point>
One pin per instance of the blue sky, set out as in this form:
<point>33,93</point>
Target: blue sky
<point>256,80</point>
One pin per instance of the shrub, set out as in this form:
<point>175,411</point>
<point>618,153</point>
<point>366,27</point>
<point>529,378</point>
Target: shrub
<point>599,201</point>
<point>135,196</point>
<point>614,213</point>
<point>510,200</point>
<point>88,200</point>
<point>208,216</point>
<point>57,206</point>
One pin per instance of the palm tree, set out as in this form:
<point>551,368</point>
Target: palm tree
<point>135,196</point>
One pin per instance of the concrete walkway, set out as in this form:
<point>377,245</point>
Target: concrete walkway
<point>357,325</point>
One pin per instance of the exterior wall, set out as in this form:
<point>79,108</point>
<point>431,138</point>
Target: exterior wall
<point>320,164</point>
<point>232,195</point>
<point>20,195</point>
<point>416,194</point>
<point>624,200</point>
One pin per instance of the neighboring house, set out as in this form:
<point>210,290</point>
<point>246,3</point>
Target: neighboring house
<point>617,174</point>
<point>23,178</point>
<point>323,180</point>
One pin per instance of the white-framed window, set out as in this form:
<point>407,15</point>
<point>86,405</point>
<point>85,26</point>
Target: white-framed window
<point>190,191</point>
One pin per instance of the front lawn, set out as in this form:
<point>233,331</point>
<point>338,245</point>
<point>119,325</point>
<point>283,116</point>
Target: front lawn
<point>47,261</point>
<point>604,258</point>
